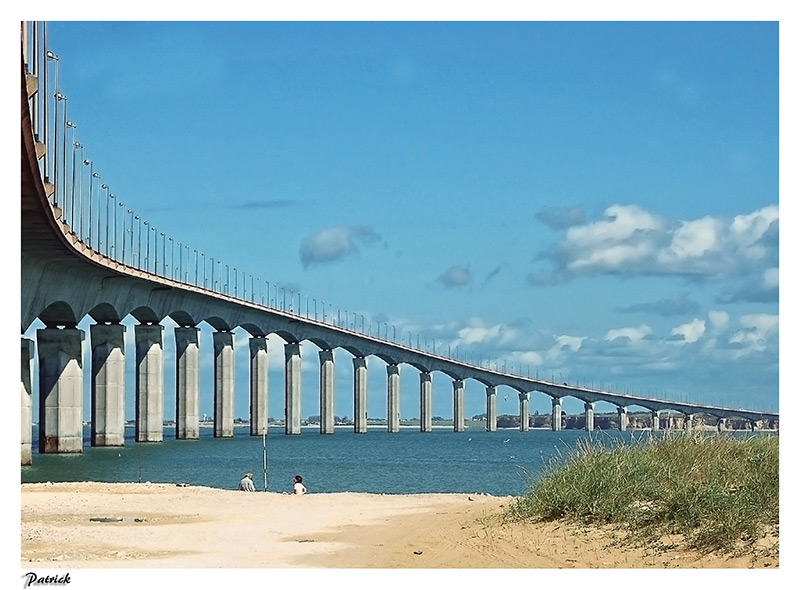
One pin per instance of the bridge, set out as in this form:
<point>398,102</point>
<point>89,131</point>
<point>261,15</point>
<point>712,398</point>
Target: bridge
<point>83,253</point>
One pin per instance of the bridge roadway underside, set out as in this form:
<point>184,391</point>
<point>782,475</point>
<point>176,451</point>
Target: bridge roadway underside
<point>63,281</point>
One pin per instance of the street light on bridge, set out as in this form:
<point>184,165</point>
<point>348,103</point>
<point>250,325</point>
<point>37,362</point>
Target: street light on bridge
<point>124,239</point>
<point>75,167</point>
<point>139,245</point>
<point>113,198</point>
<point>108,192</point>
<point>91,176</point>
<point>147,248</point>
<point>71,125</point>
<point>56,124</point>
<point>49,56</point>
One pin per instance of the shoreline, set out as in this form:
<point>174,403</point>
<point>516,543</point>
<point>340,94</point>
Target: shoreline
<point>152,525</point>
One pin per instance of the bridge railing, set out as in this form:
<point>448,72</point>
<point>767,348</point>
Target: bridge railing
<point>98,221</point>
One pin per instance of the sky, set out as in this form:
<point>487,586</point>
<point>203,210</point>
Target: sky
<point>592,202</point>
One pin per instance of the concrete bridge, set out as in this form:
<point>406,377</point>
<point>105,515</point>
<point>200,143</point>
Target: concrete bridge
<point>83,254</point>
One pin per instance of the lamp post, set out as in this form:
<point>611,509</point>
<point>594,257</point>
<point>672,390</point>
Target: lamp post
<point>75,146</point>
<point>163,256</point>
<point>139,244</point>
<point>70,125</point>
<point>112,200</point>
<point>105,186</point>
<point>147,248</point>
<point>125,238</point>
<point>56,124</point>
<point>155,250</point>
<point>49,55</point>
<point>95,175</point>
<point>91,175</point>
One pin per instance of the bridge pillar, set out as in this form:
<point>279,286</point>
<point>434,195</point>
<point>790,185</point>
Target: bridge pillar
<point>491,408</point>
<point>26,405</point>
<point>293,373</point>
<point>588,409</point>
<point>360,394</point>
<point>458,405</point>
<point>149,382</point>
<point>60,390</point>
<point>259,386</point>
<point>187,383</point>
<point>655,420</point>
<point>224,376</point>
<point>722,425</point>
<point>326,391</point>
<point>622,414</point>
<point>524,418</point>
<point>393,397</point>
<point>108,385</point>
<point>556,420</point>
<point>687,422</point>
<point>425,402</point>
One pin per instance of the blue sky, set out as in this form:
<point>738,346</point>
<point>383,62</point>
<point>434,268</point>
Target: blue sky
<point>595,202</point>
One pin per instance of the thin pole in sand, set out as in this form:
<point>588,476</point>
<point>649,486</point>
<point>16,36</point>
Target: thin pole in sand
<point>264,439</point>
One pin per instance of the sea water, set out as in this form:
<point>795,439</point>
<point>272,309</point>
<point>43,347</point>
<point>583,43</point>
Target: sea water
<point>500,463</point>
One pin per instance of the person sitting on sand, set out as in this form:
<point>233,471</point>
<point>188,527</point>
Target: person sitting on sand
<point>299,488</point>
<point>246,485</point>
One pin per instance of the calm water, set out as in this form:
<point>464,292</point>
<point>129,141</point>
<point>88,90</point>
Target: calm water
<point>475,461</point>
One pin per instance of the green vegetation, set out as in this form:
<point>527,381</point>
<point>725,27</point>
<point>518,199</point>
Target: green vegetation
<point>720,493</point>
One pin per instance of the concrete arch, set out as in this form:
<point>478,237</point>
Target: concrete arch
<point>320,343</point>
<point>386,358</point>
<point>417,365</point>
<point>145,315</point>
<point>218,323</point>
<point>252,329</point>
<point>183,318</point>
<point>287,336</point>
<point>355,351</point>
<point>59,313</point>
<point>104,313</point>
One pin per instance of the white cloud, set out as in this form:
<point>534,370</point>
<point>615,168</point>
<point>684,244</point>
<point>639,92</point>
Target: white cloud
<point>770,278</point>
<point>622,237</point>
<point>632,334</point>
<point>528,357</point>
<point>568,343</point>
<point>478,333</point>
<point>630,240</point>
<point>333,243</point>
<point>718,319</point>
<point>757,329</point>
<point>456,276</point>
<point>692,239</point>
<point>690,332</point>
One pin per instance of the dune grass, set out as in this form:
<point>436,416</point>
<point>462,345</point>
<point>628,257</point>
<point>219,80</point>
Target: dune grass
<point>718,492</point>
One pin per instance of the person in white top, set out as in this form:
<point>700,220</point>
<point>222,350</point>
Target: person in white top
<point>299,488</point>
<point>246,485</point>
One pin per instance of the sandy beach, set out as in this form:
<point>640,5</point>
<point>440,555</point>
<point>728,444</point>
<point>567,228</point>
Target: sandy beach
<point>149,525</point>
